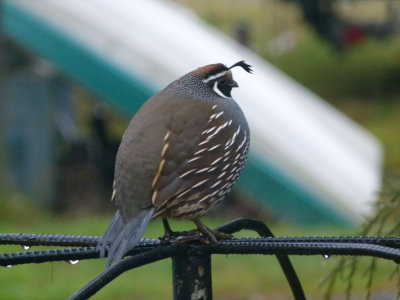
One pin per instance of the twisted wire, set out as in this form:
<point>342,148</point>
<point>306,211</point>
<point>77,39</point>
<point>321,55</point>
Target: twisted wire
<point>272,245</point>
<point>393,242</point>
<point>71,254</point>
<point>63,240</point>
<point>29,239</point>
<point>290,246</point>
<point>304,248</point>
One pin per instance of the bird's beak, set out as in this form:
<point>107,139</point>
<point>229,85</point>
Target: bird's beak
<point>233,84</point>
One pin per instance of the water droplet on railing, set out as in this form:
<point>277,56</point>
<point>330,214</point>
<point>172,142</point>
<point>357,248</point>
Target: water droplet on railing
<point>9,266</point>
<point>73,262</point>
<point>26,247</point>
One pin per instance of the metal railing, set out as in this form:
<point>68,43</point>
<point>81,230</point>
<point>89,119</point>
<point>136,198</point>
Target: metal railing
<point>191,256</point>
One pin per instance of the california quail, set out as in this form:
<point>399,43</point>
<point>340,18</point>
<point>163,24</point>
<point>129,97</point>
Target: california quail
<point>179,156</point>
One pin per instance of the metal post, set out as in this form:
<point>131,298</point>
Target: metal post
<point>191,273</point>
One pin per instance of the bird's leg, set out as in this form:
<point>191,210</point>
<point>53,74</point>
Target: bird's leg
<point>167,229</point>
<point>212,234</point>
<point>168,233</point>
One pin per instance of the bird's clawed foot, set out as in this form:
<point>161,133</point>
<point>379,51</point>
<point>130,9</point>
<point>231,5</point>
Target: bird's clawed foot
<point>178,236</point>
<point>207,234</point>
<point>213,235</point>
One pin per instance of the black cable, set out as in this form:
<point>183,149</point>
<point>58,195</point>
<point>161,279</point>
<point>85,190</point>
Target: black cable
<point>274,243</point>
<point>30,239</point>
<point>293,248</point>
<point>70,254</point>
<point>393,242</point>
<point>64,240</point>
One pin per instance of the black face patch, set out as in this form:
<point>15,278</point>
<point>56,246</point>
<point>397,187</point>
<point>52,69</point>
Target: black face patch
<point>224,88</point>
<point>222,83</point>
<point>221,80</point>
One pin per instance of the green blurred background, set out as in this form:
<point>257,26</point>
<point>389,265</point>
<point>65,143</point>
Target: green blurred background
<point>361,78</point>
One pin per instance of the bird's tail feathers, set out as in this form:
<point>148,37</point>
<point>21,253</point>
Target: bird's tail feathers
<point>123,236</point>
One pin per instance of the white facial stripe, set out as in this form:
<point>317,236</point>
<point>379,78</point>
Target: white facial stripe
<point>219,93</point>
<point>215,76</point>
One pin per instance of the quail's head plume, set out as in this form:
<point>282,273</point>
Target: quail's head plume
<point>180,155</point>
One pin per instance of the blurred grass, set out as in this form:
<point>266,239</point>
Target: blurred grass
<point>367,71</point>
